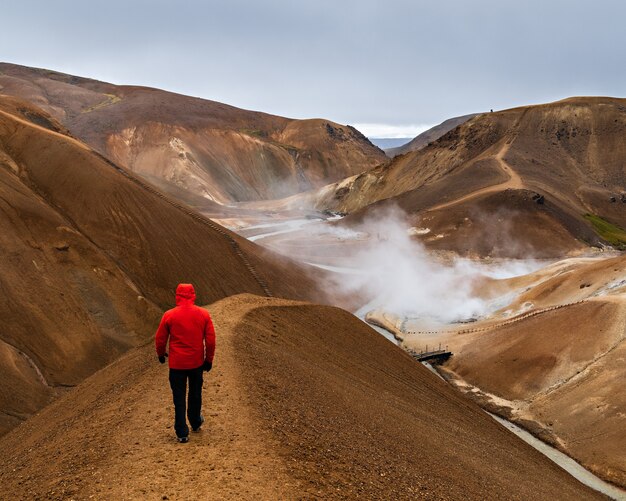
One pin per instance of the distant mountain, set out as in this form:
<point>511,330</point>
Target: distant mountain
<point>555,172</point>
<point>385,143</point>
<point>222,153</point>
<point>432,134</point>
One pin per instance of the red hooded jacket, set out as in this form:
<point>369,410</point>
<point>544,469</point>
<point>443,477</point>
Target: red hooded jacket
<point>190,331</point>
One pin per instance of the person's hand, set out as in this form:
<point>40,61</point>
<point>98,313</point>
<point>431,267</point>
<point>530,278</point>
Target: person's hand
<point>162,358</point>
<point>207,366</point>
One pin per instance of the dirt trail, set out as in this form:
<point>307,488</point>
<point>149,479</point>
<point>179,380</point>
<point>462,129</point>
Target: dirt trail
<point>228,459</point>
<point>126,448</point>
<point>514,182</point>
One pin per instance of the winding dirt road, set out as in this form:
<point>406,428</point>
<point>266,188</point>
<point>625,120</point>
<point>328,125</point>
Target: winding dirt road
<point>514,182</point>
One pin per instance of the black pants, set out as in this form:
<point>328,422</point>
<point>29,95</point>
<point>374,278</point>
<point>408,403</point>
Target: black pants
<point>178,382</point>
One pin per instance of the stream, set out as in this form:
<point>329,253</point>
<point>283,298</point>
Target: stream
<point>575,469</point>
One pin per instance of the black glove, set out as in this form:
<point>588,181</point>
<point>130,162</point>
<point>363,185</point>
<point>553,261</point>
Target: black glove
<point>207,366</point>
<point>162,358</point>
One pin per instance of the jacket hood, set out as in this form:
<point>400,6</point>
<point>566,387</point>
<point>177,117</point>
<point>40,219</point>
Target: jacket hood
<point>185,294</point>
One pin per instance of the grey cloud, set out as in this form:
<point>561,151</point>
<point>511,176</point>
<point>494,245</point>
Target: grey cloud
<point>394,62</point>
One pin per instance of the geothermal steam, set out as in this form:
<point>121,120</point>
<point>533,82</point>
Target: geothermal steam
<point>404,279</point>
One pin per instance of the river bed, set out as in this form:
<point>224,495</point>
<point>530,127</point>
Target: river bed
<point>575,469</point>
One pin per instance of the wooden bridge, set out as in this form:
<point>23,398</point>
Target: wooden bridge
<point>437,356</point>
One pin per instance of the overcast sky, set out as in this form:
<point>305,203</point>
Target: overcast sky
<point>397,65</point>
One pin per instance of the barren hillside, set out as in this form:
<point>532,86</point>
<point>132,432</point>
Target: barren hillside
<point>556,168</point>
<point>91,256</point>
<point>222,153</point>
<point>427,137</point>
<point>296,407</point>
<point>554,359</point>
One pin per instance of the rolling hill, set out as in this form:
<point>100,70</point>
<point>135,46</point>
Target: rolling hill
<point>553,359</point>
<point>428,136</point>
<point>308,399</point>
<point>221,153</point>
<point>292,411</point>
<point>91,256</point>
<point>554,172</point>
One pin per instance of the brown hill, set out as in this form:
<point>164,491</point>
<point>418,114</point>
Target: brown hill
<point>558,368</point>
<point>296,407</point>
<point>219,152</point>
<point>430,135</point>
<point>558,161</point>
<point>570,383</point>
<point>91,256</point>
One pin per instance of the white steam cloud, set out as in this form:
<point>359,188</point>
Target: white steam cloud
<point>403,278</point>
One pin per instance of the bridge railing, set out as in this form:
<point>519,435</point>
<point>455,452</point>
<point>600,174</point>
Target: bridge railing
<point>426,352</point>
<point>430,354</point>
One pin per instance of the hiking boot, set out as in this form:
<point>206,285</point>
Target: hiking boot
<point>197,429</point>
<point>183,440</point>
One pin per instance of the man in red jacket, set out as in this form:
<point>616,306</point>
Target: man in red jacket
<point>190,331</point>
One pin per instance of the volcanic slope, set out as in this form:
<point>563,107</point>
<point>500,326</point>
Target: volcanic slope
<point>222,153</point>
<point>428,136</point>
<point>555,360</point>
<point>541,169</point>
<point>91,256</point>
<point>304,401</point>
